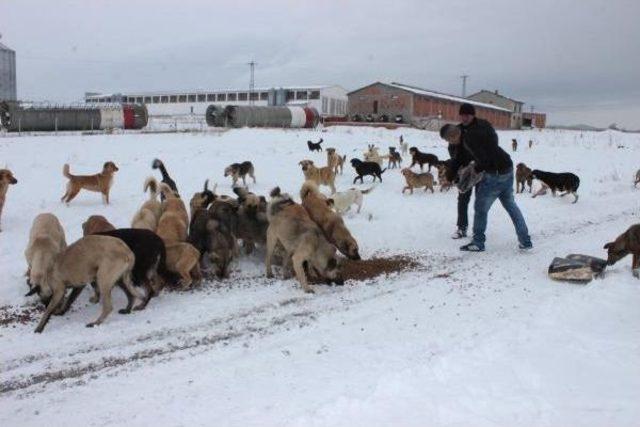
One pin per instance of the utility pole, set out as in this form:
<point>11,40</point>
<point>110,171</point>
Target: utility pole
<point>252,82</point>
<point>532,108</point>
<point>464,85</point>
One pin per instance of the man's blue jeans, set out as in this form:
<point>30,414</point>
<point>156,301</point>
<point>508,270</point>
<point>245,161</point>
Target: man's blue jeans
<point>494,187</point>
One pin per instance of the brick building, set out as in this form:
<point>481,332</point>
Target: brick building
<point>500,100</point>
<point>420,107</point>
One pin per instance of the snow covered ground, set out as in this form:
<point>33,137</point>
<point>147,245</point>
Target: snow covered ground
<point>466,340</point>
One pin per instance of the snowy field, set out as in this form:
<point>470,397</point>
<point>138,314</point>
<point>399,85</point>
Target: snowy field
<point>466,340</point>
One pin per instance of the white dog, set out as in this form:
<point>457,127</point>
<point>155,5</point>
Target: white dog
<point>404,147</point>
<point>342,201</point>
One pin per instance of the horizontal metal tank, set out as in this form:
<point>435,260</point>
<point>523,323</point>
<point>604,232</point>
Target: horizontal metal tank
<point>298,117</point>
<point>240,116</point>
<point>215,116</point>
<point>25,118</point>
<point>312,117</point>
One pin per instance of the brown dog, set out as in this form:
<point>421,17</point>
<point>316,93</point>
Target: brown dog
<point>174,221</point>
<point>523,175</point>
<point>105,260</point>
<point>417,180</point>
<point>443,178</point>
<point>514,144</point>
<point>321,176</point>
<point>307,250</point>
<point>46,241</point>
<point>334,161</point>
<point>99,183</point>
<point>96,224</point>
<point>332,225</point>
<point>184,259</point>
<point>149,213</point>
<point>626,243</point>
<point>6,179</point>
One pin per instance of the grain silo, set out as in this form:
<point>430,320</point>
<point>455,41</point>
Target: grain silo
<point>8,88</point>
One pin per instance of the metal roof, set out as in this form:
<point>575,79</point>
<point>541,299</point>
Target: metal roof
<point>425,92</point>
<point>214,91</point>
<point>496,94</point>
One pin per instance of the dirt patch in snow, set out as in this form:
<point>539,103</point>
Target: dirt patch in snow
<point>11,315</point>
<point>373,267</point>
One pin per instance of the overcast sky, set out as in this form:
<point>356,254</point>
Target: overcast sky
<point>577,60</point>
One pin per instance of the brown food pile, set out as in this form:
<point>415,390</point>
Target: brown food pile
<point>377,266</point>
<point>10,315</point>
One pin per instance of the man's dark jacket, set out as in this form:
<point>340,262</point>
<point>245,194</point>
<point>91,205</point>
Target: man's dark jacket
<point>480,143</point>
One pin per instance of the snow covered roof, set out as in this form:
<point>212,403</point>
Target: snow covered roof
<point>496,94</point>
<point>432,94</point>
<point>204,91</point>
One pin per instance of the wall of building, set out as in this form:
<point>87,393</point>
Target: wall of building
<point>8,87</point>
<point>503,102</point>
<point>538,120</point>
<point>391,101</point>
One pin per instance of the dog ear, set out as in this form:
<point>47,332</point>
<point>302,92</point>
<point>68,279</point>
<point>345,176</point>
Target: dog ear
<point>608,245</point>
<point>330,203</point>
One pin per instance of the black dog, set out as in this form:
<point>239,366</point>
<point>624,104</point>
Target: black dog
<point>366,168</point>
<point>157,164</point>
<point>314,146</point>
<point>565,181</point>
<point>394,158</point>
<point>421,158</point>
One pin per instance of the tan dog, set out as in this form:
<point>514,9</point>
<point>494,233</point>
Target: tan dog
<point>334,161</point>
<point>149,213</point>
<point>6,179</point>
<point>373,155</point>
<point>99,183</point>
<point>184,259</point>
<point>46,241</point>
<point>307,250</point>
<point>523,175</point>
<point>417,180</point>
<point>96,224</point>
<point>174,221</point>
<point>105,260</point>
<point>331,223</point>
<point>443,180</point>
<point>625,244</point>
<point>321,176</point>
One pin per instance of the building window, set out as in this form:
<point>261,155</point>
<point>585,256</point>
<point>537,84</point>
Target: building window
<point>202,97</point>
<point>139,100</point>
<point>211,97</point>
<point>254,96</point>
<point>222,97</point>
<point>242,96</point>
<point>192,98</point>
<point>147,99</point>
<point>324,105</point>
<point>332,106</point>
<point>301,94</point>
<point>182,98</point>
<point>156,100</point>
<point>232,97</point>
<point>315,94</point>
<point>173,98</point>
<point>264,96</point>
<point>291,95</point>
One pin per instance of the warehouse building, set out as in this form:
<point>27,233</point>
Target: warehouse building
<point>534,120</point>
<point>329,100</point>
<point>8,87</point>
<point>419,107</point>
<point>495,98</point>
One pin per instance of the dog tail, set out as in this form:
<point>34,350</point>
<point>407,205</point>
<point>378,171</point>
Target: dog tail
<point>382,171</point>
<point>151,185</point>
<point>309,187</point>
<point>344,158</point>
<point>206,185</point>
<point>369,190</point>
<point>66,171</point>
<point>275,192</point>
<point>166,191</point>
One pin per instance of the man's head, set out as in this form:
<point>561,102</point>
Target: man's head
<point>467,113</point>
<point>451,133</point>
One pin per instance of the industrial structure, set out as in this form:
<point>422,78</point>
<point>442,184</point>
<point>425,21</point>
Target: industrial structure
<point>420,107</point>
<point>8,86</point>
<point>328,100</point>
<point>260,116</point>
<point>495,98</point>
<point>22,117</point>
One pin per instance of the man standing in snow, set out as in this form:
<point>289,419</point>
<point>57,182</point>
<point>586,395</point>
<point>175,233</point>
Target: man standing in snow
<point>478,137</point>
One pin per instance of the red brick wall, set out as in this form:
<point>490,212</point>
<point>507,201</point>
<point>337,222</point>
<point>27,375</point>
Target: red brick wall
<point>390,101</point>
<point>426,106</point>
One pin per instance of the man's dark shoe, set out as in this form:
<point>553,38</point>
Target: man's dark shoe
<point>471,247</point>
<point>459,234</point>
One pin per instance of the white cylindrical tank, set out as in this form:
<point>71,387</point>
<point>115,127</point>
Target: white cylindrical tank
<point>298,117</point>
<point>111,118</point>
